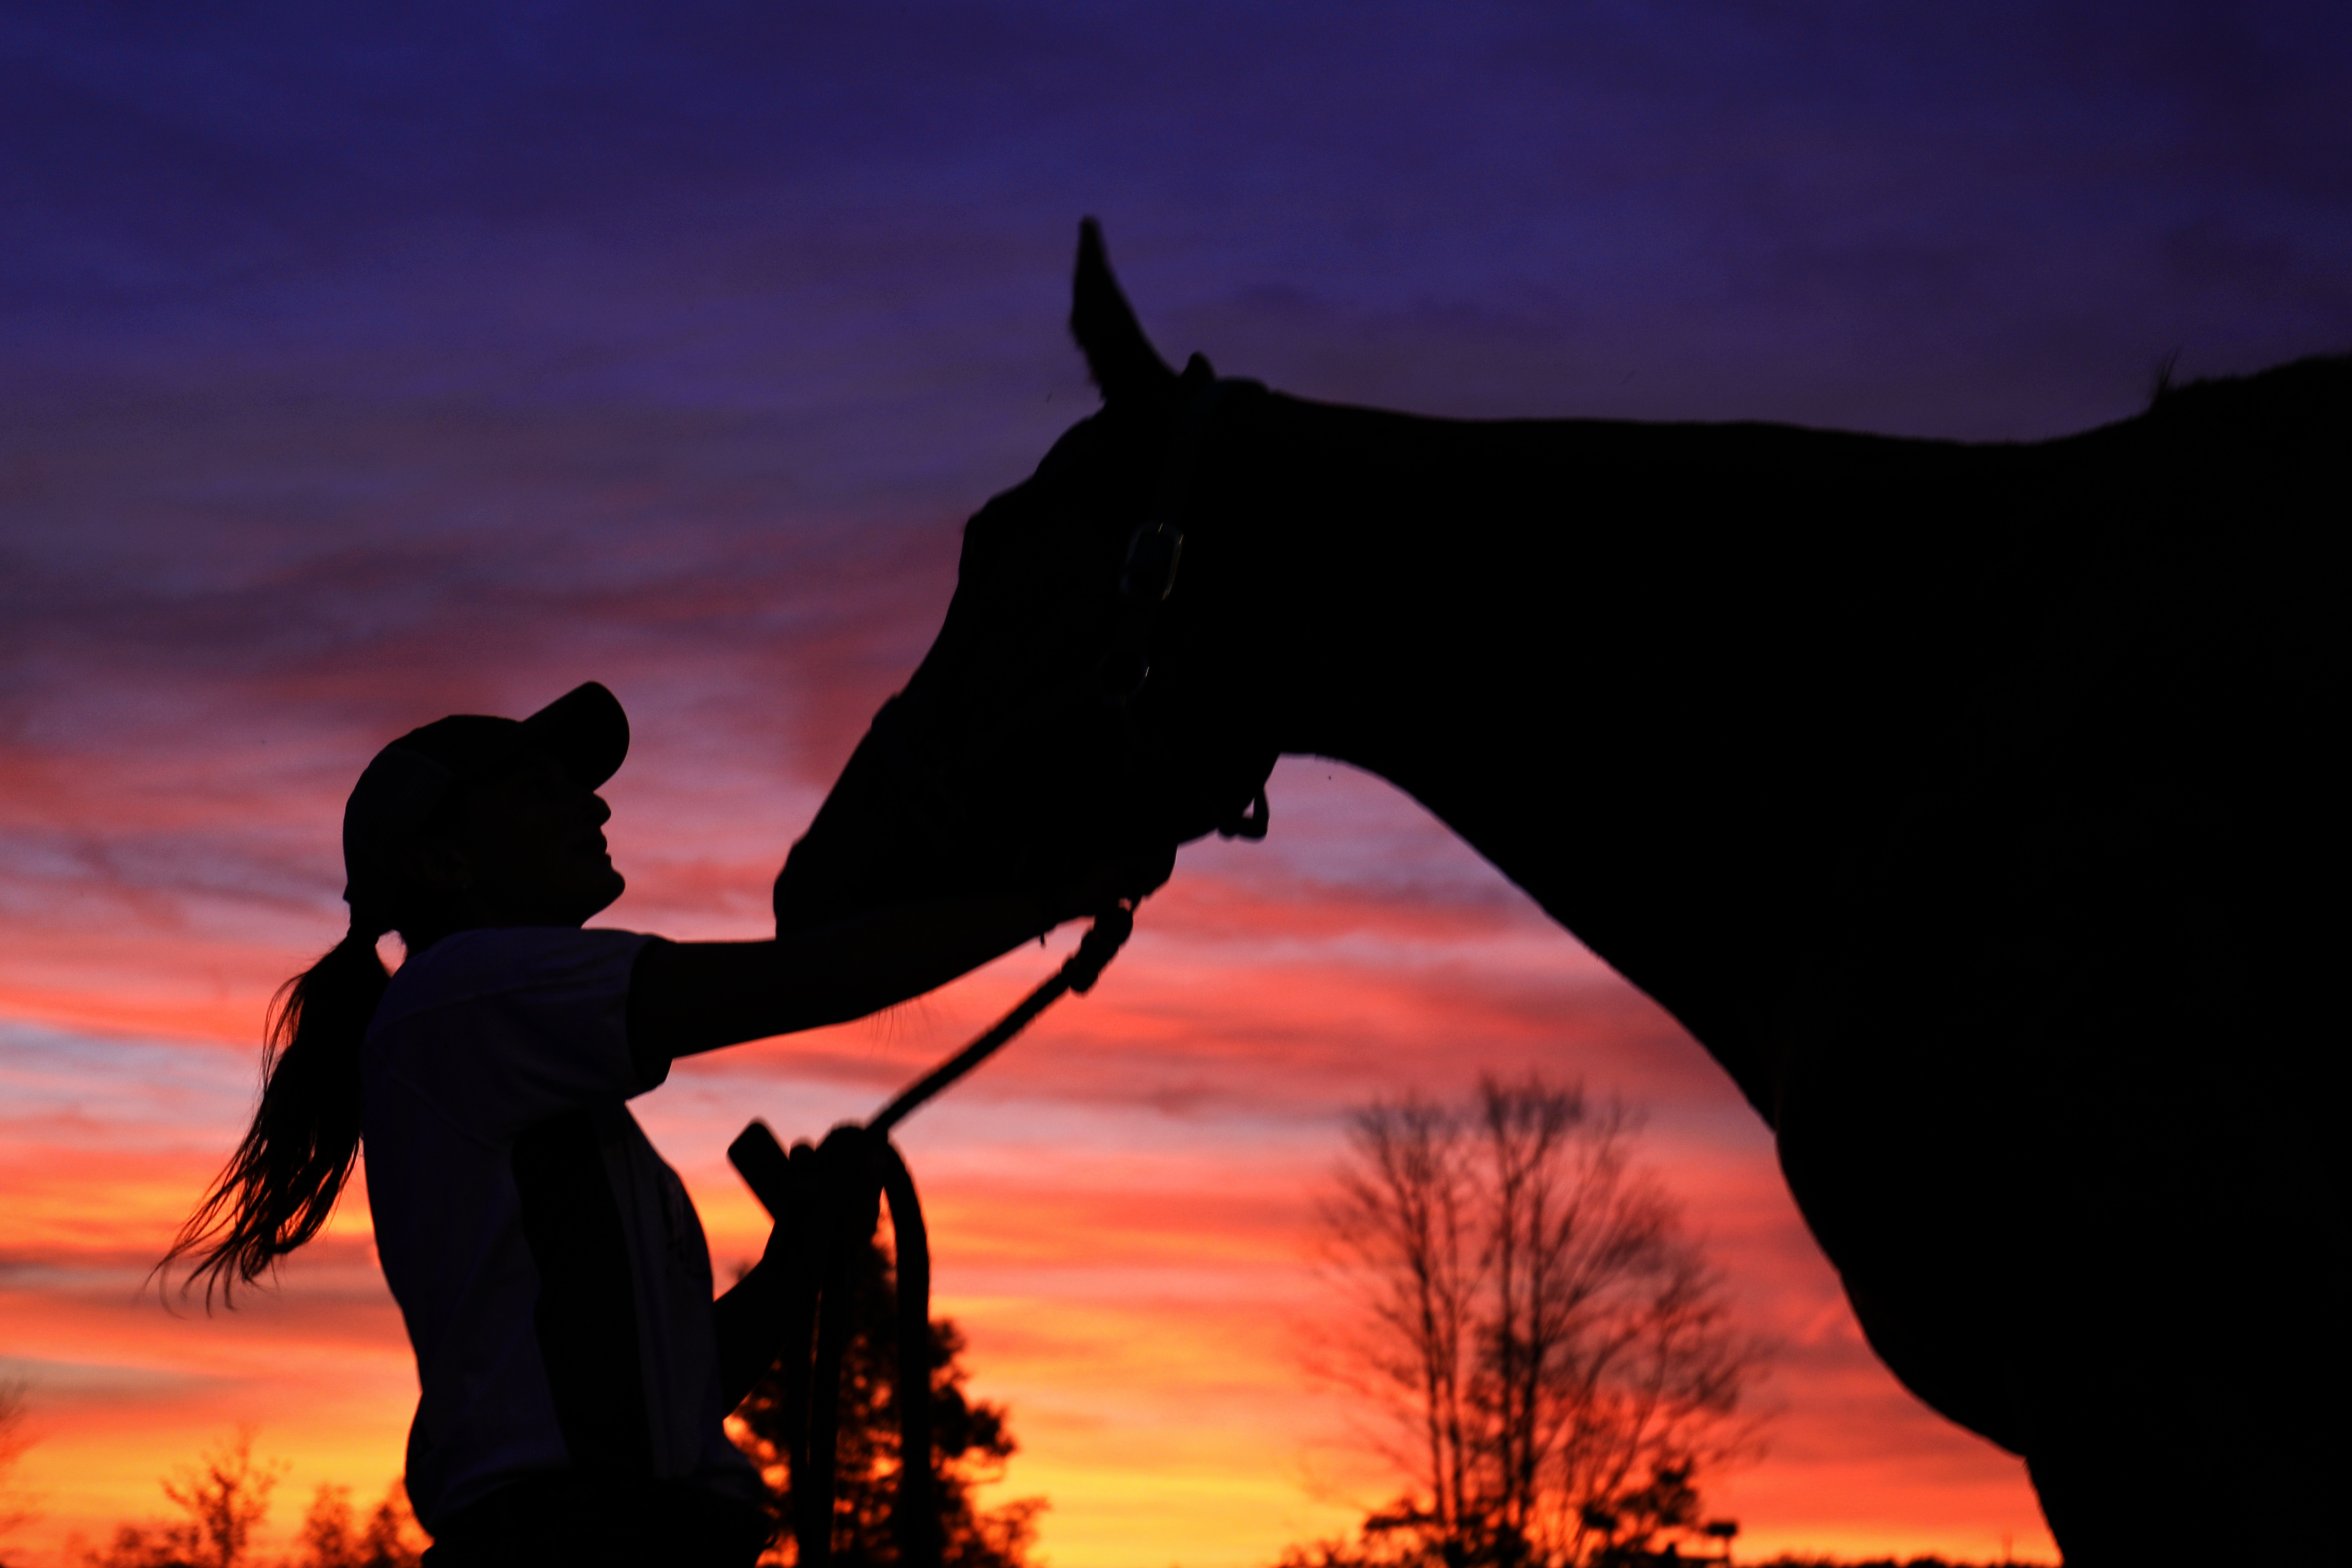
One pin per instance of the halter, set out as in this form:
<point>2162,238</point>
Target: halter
<point>1147,578</point>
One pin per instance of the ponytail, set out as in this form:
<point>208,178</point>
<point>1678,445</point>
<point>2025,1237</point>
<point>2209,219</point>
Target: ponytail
<point>277,1189</point>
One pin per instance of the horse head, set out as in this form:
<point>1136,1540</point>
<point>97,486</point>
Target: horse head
<point>1086,698</point>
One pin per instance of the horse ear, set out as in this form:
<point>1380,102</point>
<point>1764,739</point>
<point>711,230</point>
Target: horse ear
<point>1122,360</point>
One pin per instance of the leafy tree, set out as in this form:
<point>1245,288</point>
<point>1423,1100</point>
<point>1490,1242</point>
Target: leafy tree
<point>971,1442</point>
<point>146,1546</point>
<point>1625,1532</point>
<point>1555,1358</point>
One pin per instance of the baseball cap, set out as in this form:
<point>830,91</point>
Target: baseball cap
<point>584,729</point>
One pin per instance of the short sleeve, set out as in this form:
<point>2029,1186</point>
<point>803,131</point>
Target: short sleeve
<point>500,1028</point>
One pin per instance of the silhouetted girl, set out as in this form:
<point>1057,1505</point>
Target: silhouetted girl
<point>549,1266</point>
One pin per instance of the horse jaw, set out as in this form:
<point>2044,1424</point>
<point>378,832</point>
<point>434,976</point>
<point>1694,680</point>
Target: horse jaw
<point>1120,357</point>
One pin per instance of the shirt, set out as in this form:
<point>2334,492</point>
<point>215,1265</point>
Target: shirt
<point>548,1266</point>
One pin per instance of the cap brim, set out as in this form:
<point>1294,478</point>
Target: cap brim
<point>585,730</point>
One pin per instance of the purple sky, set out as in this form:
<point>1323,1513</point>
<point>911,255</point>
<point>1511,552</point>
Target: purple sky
<point>348,344</point>
<point>362,363</point>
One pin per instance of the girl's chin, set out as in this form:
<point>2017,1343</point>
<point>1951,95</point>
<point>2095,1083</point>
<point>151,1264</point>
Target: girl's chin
<point>599,889</point>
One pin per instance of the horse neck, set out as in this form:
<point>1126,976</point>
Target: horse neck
<point>1422,587</point>
<point>1590,648</point>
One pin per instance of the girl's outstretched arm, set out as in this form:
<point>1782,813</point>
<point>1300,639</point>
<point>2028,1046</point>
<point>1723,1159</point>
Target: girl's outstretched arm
<point>693,996</point>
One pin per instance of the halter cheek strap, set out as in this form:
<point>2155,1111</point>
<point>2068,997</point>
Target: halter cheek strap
<point>1156,549</point>
<point>1154,552</point>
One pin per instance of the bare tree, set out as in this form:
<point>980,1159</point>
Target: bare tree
<point>332,1537</point>
<point>1554,1358</point>
<point>330,1540</point>
<point>16,1437</point>
<point>225,1496</point>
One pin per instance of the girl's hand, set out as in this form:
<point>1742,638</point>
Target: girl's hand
<point>832,1200</point>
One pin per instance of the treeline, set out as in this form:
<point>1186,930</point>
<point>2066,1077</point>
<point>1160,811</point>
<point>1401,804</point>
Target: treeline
<point>1558,1362</point>
<point>1671,1555</point>
<point>223,1499</point>
<point>1330,1555</point>
<point>1787,1560</point>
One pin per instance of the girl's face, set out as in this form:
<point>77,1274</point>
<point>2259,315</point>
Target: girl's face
<point>530,850</point>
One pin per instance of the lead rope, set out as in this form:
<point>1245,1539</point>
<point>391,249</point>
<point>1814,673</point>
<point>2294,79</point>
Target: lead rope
<point>821,1306</point>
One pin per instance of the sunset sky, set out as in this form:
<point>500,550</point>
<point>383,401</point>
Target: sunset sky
<point>365,363</point>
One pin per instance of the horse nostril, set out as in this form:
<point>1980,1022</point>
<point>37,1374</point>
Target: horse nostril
<point>1247,823</point>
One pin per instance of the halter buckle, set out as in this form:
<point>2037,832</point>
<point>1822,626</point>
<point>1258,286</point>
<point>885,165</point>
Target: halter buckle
<point>1153,552</point>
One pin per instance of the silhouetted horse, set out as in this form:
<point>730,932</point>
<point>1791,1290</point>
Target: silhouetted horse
<point>1970,804</point>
